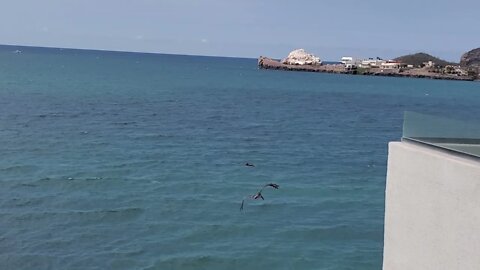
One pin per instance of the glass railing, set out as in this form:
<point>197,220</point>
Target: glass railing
<point>453,135</point>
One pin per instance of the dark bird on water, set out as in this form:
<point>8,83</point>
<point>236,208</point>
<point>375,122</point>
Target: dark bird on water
<point>259,195</point>
<point>249,164</point>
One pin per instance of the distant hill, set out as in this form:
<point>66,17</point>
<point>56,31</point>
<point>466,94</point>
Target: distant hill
<point>420,58</point>
<point>471,58</point>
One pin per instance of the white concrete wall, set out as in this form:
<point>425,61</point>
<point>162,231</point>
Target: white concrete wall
<point>432,211</point>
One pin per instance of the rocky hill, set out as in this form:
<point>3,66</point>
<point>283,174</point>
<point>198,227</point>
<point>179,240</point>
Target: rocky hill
<point>419,58</point>
<point>471,59</point>
<point>301,57</point>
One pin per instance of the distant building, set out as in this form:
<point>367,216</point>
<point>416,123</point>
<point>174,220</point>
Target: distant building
<point>393,65</point>
<point>460,71</point>
<point>457,70</point>
<point>429,64</point>
<point>347,59</point>
<point>350,62</point>
<point>372,63</point>
<point>350,66</point>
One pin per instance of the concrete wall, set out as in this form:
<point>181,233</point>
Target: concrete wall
<point>432,211</point>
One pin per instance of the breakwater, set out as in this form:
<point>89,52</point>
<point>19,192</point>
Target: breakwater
<point>269,63</point>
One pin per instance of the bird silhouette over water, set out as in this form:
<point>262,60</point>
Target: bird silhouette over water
<point>259,195</point>
<point>275,186</point>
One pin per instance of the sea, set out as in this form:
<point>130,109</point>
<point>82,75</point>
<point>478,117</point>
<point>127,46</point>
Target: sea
<point>113,160</point>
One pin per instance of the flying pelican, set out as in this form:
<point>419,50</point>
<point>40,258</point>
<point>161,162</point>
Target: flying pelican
<point>259,195</point>
<point>275,186</point>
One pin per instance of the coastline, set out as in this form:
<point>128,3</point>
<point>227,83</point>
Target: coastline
<point>269,63</point>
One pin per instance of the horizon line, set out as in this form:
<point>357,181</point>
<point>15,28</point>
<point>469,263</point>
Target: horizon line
<point>174,54</point>
<point>121,51</point>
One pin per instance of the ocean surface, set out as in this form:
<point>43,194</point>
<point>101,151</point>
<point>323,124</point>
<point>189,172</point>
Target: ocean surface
<point>136,161</point>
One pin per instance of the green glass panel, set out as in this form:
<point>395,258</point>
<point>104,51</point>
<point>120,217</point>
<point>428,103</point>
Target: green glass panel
<point>455,135</point>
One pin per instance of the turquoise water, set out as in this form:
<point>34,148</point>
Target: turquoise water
<point>135,161</point>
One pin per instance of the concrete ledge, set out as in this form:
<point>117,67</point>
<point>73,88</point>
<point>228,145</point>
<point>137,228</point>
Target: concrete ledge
<point>432,211</point>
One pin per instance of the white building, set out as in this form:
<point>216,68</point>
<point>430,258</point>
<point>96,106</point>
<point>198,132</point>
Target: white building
<point>350,62</point>
<point>429,64</point>
<point>392,65</point>
<point>347,59</point>
<point>372,63</point>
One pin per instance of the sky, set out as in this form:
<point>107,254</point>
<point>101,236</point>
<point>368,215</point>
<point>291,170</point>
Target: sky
<point>329,29</point>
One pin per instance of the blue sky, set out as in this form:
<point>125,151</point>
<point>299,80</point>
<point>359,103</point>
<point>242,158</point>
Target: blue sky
<point>247,28</point>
